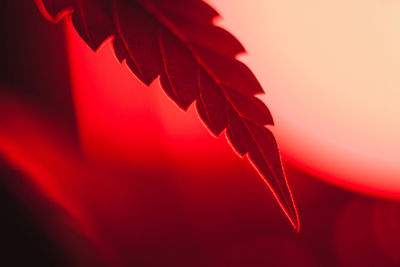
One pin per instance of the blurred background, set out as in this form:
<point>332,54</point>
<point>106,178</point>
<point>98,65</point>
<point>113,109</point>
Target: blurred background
<point>99,170</point>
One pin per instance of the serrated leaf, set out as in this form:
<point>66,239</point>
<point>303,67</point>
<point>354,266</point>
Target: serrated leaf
<point>195,60</point>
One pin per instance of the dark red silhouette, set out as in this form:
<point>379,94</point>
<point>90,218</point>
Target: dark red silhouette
<point>195,60</point>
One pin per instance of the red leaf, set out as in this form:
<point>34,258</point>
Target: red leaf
<point>195,60</point>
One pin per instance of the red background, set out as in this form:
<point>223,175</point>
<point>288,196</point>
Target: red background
<point>79,194</point>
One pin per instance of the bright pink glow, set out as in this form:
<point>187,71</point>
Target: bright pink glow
<point>332,75</point>
<point>146,184</point>
<point>112,104</point>
<point>332,90</point>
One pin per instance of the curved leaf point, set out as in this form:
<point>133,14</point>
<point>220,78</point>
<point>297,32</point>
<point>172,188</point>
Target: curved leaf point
<point>196,62</point>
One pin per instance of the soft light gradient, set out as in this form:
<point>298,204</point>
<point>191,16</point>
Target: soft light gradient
<point>331,70</point>
<point>145,184</point>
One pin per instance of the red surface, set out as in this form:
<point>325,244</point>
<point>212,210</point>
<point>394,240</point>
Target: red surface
<point>167,193</point>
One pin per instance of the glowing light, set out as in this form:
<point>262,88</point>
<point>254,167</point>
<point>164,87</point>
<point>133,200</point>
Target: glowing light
<point>332,75</point>
<point>331,72</point>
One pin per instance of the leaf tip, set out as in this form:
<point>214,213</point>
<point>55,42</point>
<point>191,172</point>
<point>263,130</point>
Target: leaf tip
<point>53,16</point>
